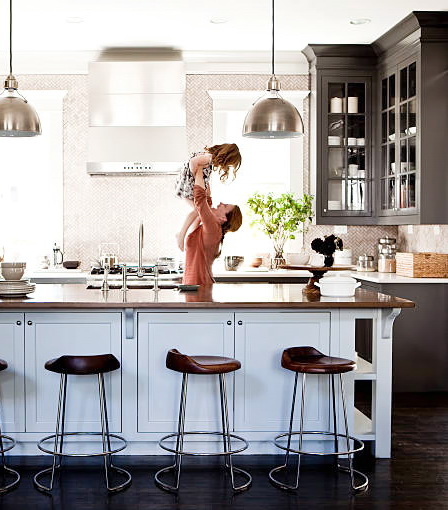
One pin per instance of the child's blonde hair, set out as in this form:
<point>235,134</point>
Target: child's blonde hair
<point>225,157</point>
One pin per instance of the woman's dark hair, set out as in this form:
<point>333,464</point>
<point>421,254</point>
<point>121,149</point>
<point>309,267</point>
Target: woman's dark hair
<point>232,224</point>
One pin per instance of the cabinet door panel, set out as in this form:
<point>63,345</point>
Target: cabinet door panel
<point>263,389</point>
<point>51,335</point>
<point>159,388</point>
<point>12,396</point>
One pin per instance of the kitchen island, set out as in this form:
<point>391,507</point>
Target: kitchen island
<point>252,322</point>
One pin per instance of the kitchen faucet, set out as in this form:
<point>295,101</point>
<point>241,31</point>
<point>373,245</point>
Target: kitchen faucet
<point>140,269</point>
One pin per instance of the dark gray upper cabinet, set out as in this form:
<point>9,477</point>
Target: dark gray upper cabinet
<point>404,75</point>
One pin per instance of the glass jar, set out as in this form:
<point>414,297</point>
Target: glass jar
<point>365,263</point>
<point>387,245</point>
<point>387,263</point>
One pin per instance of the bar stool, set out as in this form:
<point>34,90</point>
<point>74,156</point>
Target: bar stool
<point>10,443</point>
<point>82,365</point>
<point>202,365</point>
<point>308,360</point>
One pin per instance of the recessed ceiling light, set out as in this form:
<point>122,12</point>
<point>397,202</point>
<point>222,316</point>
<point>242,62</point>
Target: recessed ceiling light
<point>360,21</point>
<point>74,19</point>
<point>218,20</point>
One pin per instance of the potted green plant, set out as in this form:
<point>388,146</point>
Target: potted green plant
<point>281,218</point>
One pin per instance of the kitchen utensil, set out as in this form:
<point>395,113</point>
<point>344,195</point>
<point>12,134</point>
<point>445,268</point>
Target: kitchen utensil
<point>334,205</point>
<point>256,262</point>
<point>297,258</point>
<point>12,270</point>
<point>334,140</point>
<point>337,286</point>
<point>353,170</point>
<point>58,256</point>
<point>365,263</point>
<point>352,105</point>
<point>232,262</point>
<point>71,264</point>
<point>336,105</point>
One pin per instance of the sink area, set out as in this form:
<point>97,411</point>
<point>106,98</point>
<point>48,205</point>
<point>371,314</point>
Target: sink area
<point>144,285</point>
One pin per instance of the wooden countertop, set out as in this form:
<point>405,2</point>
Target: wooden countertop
<point>220,295</point>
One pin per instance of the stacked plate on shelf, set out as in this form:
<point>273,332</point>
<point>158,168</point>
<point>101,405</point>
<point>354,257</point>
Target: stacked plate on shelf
<point>16,288</point>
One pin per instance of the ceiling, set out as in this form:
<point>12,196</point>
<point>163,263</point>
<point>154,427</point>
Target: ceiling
<point>185,24</point>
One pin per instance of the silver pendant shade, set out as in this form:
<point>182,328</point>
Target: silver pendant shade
<point>271,116</point>
<point>17,116</point>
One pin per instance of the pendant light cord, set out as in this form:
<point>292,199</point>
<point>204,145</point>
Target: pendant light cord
<point>10,36</point>
<point>272,36</point>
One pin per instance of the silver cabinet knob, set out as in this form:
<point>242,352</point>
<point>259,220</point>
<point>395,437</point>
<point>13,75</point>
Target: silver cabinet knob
<point>30,323</point>
<point>19,323</point>
<point>229,323</point>
<point>240,323</point>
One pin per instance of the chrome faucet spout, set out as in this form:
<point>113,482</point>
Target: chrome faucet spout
<point>140,269</point>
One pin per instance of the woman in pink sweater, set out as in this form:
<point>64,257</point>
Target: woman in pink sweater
<point>203,245</point>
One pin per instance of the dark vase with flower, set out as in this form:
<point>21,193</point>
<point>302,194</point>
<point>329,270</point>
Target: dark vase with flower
<point>326,247</point>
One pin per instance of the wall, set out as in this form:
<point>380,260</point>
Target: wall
<point>423,238</point>
<point>109,209</point>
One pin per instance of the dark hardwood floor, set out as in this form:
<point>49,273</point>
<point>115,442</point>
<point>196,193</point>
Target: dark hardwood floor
<point>415,478</point>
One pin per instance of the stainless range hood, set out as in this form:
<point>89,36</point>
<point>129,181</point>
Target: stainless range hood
<point>136,112</point>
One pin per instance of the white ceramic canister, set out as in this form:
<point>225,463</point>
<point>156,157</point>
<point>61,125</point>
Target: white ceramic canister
<point>352,105</point>
<point>336,105</point>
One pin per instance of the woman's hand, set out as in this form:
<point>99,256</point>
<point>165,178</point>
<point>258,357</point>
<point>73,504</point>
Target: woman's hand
<point>199,162</point>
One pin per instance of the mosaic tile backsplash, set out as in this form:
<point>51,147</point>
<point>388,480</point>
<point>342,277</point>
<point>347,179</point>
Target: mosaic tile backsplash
<point>109,209</point>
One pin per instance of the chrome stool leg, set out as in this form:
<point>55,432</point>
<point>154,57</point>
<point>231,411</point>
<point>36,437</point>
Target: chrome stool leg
<point>227,441</point>
<point>107,450</point>
<point>7,471</point>
<point>365,481</point>
<point>180,436</point>
<point>284,466</point>
<point>176,467</point>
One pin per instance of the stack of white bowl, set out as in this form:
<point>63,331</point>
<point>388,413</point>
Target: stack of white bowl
<point>13,285</point>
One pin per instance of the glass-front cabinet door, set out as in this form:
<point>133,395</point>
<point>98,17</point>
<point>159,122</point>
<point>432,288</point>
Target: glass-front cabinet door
<point>398,186</point>
<point>346,146</point>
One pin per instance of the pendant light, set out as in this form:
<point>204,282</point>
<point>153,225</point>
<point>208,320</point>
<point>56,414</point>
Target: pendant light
<point>17,116</point>
<point>271,116</point>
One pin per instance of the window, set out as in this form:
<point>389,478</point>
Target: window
<point>31,185</point>
<point>268,166</point>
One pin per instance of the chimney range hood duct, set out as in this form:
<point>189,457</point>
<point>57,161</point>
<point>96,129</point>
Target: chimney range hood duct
<point>136,112</point>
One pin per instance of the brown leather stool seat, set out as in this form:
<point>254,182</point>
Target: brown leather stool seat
<point>308,360</point>
<point>3,365</point>
<point>83,365</point>
<point>207,365</point>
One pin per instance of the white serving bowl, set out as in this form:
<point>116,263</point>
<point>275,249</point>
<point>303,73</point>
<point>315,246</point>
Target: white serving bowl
<point>297,259</point>
<point>337,286</point>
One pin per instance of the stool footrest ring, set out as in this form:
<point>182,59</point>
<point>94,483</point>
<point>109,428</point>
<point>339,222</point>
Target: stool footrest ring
<point>281,485</point>
<point>358,445</point>
<point>204,454</point>
<point>14,474</point>
<point>116,488</point>
<point>67,434</point>
<point>11,443</point>
<point>171,488</point>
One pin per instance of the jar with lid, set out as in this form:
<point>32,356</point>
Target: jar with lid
<point>387,245</point>
<point>387,263</point>
<point>365,263</point>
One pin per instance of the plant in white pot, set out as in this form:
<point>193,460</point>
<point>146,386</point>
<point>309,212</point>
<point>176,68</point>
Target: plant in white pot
<point>281,218</point>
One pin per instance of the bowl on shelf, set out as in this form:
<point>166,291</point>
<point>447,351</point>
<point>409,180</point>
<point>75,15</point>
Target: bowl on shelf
<point>233,262</point>
<point>12,270</point>
<point>297,259</point>
<point>71,264</point>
